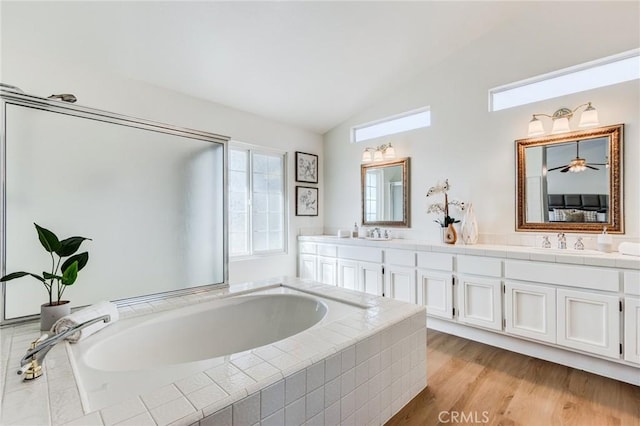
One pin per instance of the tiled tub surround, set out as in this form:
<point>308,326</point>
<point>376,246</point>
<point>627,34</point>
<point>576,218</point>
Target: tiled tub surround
<point>360,369</point>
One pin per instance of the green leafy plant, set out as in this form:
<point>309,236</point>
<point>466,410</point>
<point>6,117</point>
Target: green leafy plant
<point>52,281</point>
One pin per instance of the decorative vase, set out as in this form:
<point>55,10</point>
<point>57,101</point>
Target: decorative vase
<point>49,314</point>
<point>469,226</point>
<point>449,234</point>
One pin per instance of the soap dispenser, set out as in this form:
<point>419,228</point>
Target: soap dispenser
<point>605,241</point>
<point>354,233</point>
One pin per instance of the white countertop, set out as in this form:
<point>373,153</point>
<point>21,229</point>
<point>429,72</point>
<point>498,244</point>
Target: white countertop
<point>570,256</point>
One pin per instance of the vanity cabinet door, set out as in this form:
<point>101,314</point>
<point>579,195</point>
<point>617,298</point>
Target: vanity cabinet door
<point>632,329</point>
<point>435,291</point>
<point>589,322</point>
<point>371,278</point>
<point>307,267</point>
<point>327,270</point>
<point>480,301</point>
<point>400,283</point>
<point>348,274</point>
<point>530,311</point>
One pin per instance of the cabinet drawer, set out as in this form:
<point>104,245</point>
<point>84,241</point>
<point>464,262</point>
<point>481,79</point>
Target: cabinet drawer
<point>307,248</point>
<point>400,257</point>
<point>475,265</point>
<point>366,254</point>
<point>567,275</point>
<point>437,261</point>
<point>326,250</point>
<point>632,282</point>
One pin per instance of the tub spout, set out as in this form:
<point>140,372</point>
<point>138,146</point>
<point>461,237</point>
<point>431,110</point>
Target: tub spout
<point>30,362</point>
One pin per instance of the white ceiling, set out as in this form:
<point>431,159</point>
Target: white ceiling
<point>309,64</point>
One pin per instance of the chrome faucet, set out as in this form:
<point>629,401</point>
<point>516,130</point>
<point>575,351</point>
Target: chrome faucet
<point>579,245</point>
<point>545,242</point>
<point>30,363</point>
<point>562,241</point>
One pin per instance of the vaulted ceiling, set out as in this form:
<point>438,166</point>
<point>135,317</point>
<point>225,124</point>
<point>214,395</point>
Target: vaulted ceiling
<point>309,64</point>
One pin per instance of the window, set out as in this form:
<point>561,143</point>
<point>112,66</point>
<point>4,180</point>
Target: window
<point>257,220</point>
<point>415,119</point>
<point>373,185</point>
<point>591,75</point>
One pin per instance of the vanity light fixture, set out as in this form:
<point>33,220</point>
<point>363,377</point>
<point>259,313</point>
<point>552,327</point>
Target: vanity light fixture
<point>561,119</point>
<point>379,153</point>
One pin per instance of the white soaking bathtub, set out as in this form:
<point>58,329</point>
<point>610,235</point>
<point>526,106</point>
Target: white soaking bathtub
<point>137,355</point>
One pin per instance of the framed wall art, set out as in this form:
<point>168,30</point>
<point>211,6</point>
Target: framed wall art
<point>306,167</point>
<point>306,201</point>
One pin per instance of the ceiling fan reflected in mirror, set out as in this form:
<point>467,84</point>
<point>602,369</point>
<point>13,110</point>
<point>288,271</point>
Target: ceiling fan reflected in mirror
<point>577,164</point>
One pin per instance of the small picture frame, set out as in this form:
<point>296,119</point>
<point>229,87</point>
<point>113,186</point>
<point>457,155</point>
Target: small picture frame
<point>306,201</point>
<point>306,167</point>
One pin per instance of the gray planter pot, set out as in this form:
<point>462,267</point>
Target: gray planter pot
<point>49,314</point>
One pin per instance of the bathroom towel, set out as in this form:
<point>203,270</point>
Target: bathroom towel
<point>631,249</point>
<point>86,314</point>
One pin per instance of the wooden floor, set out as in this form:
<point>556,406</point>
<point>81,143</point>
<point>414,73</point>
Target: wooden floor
<point>473,383</point>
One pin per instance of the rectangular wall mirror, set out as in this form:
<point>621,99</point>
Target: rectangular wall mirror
<point>385,193</point>
<point>571,182</point>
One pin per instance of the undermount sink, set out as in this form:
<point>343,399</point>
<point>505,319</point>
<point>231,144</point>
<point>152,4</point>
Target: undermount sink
<point>573,252</point>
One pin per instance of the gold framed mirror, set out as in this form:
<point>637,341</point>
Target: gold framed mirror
<point>385,193</point>
<point>571,182</point>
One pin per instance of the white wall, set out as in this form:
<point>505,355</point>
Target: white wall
<point>43,76</point>
<point>475,148</point>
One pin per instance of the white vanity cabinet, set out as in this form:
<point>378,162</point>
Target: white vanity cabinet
<point>586,299</point>
<point>589,322</point>
<point>400,275</point>
<point>530,311</point>
<point>435,283</point>
<point>307,261</point>
<point>580,311</point>
<point>361,276</point>
<point>348,274</point>
<point>632,316</point>
<point>371,277</point>
<point>327,270</point>
<point>480,291</point>
<point>360,268</point>
<point>318,262</point>
<point>327,264</point>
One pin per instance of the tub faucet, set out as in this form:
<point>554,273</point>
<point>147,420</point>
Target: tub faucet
<point>30,363</point>
<point>562,241</point>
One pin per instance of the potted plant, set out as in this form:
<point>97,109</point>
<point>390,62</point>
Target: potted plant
<point>448,234</point>
<point>54,282</point>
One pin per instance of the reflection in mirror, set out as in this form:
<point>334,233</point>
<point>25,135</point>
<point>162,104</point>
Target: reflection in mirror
<point>571,182</point>
<point>385,193</point>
